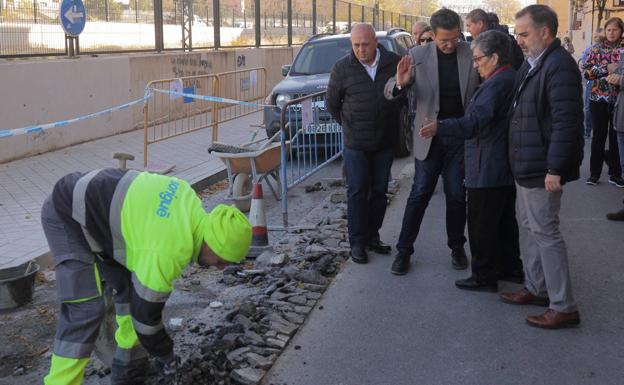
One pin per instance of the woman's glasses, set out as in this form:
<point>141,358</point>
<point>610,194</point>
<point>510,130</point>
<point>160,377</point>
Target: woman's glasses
<point>426,40</point>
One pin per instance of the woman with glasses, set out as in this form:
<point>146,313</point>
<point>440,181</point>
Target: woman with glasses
<point>491,194</point>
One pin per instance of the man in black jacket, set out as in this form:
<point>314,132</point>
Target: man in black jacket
<point>545,152</point>
<point>479,21</point>
<point>369,121</point>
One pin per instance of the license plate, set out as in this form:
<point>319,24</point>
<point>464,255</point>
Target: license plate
<point>323,128</point>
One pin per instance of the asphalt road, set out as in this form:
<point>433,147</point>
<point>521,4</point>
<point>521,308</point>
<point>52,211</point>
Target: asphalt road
<point>373,328</point>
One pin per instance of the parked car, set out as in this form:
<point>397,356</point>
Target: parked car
<point>309,73</point>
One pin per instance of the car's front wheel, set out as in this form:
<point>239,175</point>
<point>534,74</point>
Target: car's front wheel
<point>403,144</point>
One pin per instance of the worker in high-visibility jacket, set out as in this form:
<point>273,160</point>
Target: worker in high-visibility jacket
<point>136,231</point>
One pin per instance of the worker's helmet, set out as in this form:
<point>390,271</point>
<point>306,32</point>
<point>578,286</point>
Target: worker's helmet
<point>227,232</point>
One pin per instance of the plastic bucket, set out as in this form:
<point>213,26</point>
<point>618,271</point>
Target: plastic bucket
<point>17,285</point>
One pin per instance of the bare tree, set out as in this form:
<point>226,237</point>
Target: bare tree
<point>505,9</point>
<point>601,5</point>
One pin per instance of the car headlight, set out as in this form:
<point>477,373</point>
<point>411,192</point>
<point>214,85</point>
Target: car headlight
<point>282,99</point>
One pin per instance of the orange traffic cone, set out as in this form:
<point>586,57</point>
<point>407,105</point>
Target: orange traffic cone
<point>260,234</point>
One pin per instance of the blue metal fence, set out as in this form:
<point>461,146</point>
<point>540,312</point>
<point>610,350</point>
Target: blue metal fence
<point>310,138</point>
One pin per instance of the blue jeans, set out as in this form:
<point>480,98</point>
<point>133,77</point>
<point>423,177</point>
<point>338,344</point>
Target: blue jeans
<point>446,158</point>
<point>368,173</point>
<point>588,121</point>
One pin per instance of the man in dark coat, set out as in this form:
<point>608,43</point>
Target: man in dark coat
<point>479,21</point>
<point>355,99</point>
<point>545,152</point>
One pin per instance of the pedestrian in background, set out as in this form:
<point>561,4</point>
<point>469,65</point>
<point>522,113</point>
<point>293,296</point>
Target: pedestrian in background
<point>491,193</point>
<point>426,36</point>
<point>588,84</point>
<point>479,21</point>
<point>545,152</point>
<point>567,45</point>
<point>369,121</point>
<point>417,29</point>
<point>440,80</point>
<point>602,60</point>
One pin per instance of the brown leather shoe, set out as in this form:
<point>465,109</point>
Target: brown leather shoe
<point>552,319</point>
<point>524,297</point>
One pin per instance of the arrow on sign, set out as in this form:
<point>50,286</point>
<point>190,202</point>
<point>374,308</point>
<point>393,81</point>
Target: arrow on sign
<point>72,16</point>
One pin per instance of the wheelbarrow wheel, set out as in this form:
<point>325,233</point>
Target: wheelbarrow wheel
<point>241,187</point>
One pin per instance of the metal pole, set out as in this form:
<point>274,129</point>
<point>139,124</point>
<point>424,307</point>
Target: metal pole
<point>35,10</point>
<point>257,15</point>
<point>70,44</point>
<point>136,6</point>
<point>363,14</point>
<point>216,25</point>
<point>334,16</point>
<point>313,17</point>
<point>349,30</point>
<point>159,44</point>
<point>106,9</point>
<point>290,24</point>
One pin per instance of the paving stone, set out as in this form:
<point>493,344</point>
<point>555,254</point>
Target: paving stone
<point>236,356</point>
<point>303,309</point>
<point>275,343</point>
<point>294,318</point>
<point>313,295</point>
<point>298,300</point>
<point>247,376</point>
<point>286,328</point>
<point>283,337</point>
<point>258,361</point>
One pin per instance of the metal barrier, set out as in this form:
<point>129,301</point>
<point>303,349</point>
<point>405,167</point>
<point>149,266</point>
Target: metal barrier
<point>166,116</point>
<point>316,140</point>
<point>249,85</point>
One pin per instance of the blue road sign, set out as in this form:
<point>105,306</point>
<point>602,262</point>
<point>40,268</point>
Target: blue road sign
<point>73,17</point>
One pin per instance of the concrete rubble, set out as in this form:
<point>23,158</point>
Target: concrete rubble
<point>238,336</point>
<point>253,310</point>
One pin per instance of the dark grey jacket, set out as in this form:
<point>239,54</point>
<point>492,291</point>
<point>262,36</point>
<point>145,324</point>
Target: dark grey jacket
<point>485,126</point>
<point>546,126</point>
<point>369,121</point>
<point>618,111</point>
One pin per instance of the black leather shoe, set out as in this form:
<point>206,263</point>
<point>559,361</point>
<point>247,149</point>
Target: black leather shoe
<point>616,216</point>
<point>515,277</point>
<point>358,255</point>
<point>458,259</point>
<point>401,264</point>
<point>379,247</point>
<point>471,283</point>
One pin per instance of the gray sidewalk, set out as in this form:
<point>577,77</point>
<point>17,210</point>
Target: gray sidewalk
<point>374,328</point>
<point>25,183</point>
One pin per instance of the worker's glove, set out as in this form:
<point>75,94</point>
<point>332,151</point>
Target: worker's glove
<point>168,365</point>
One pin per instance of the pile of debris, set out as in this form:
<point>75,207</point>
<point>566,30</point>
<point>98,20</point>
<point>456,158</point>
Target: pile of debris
<point>282,287</point>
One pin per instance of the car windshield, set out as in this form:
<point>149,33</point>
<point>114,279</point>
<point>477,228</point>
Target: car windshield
<point>319,57</point>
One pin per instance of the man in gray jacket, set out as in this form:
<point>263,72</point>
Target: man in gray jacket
<point>440,80</point>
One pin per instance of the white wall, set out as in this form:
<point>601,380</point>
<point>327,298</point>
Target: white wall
<point>47,90</point>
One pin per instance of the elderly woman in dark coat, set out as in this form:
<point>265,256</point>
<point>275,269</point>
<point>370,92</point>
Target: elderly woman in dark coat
<point>492,226</point>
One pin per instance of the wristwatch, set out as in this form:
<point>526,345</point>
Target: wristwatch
<point>398,87</point>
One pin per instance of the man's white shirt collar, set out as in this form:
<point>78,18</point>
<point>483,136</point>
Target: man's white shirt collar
<point>372,69</point>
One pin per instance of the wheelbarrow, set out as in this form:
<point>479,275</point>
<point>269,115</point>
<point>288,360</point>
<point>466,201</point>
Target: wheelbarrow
<point>250,163</point>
